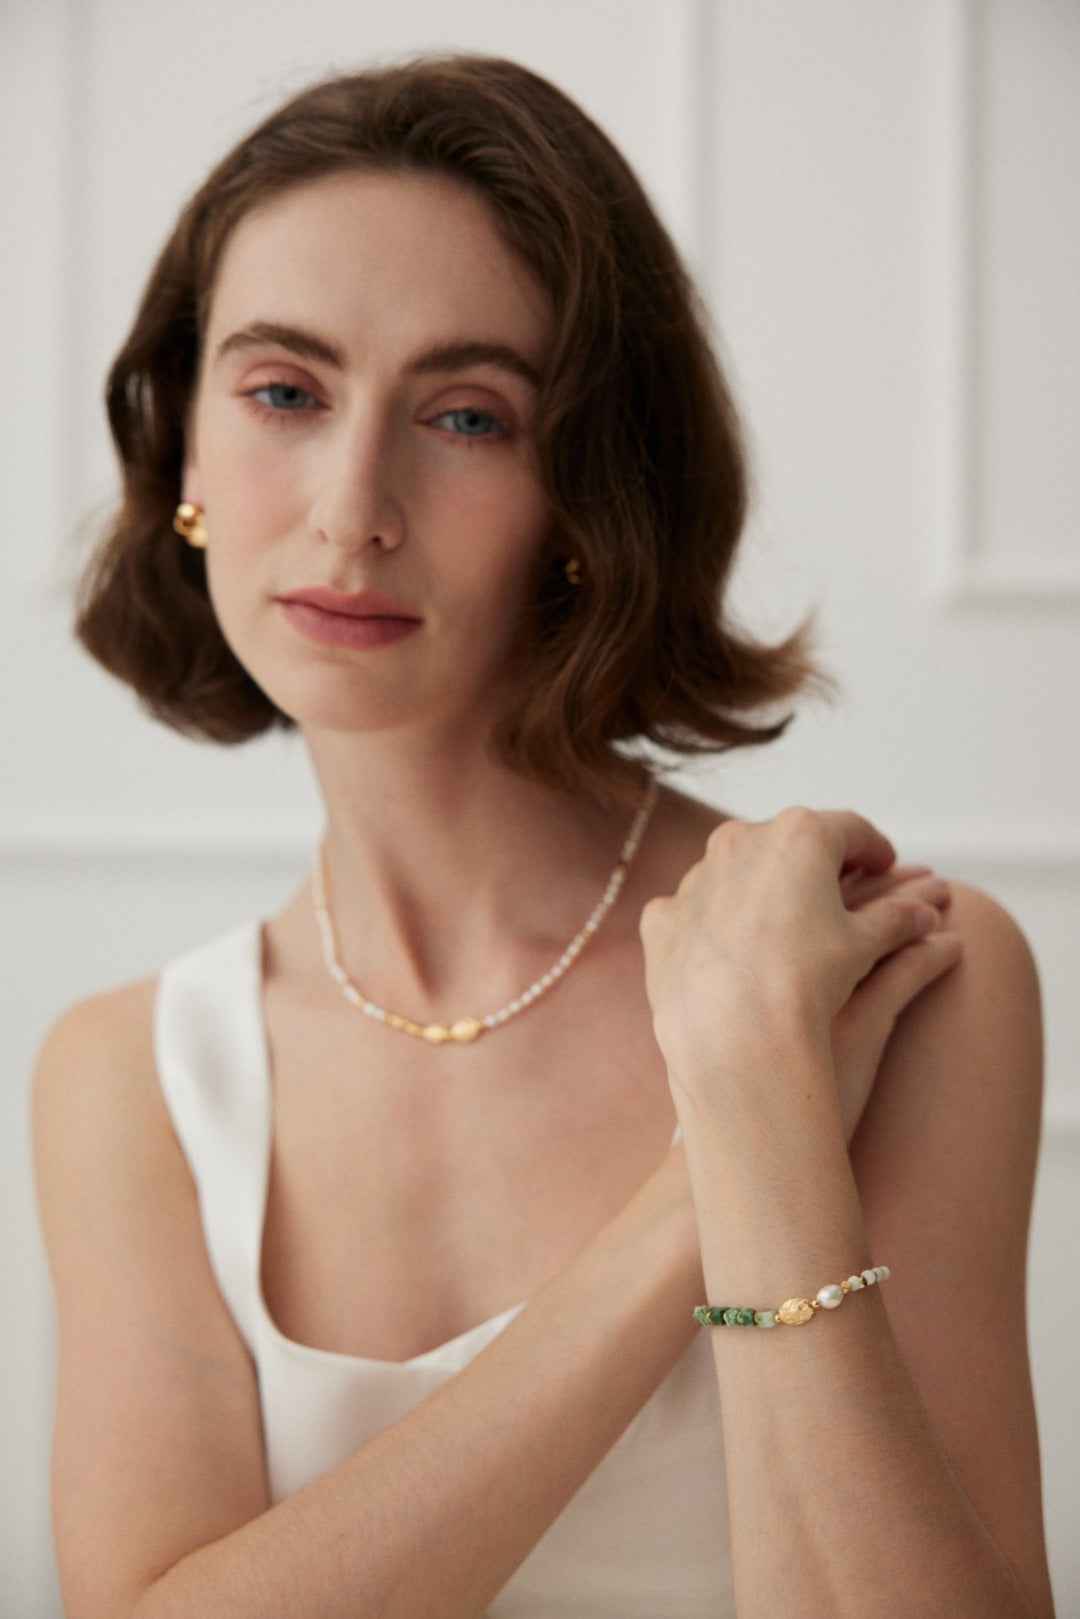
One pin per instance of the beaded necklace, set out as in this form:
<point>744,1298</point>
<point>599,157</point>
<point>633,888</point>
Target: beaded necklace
<point>466,1029</point>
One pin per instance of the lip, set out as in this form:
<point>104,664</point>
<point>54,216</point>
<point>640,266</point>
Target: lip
<point>362,620</point>
<point>354,604</point>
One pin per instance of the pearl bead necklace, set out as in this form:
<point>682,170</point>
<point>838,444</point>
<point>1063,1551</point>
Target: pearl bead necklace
<point>466,1029</point>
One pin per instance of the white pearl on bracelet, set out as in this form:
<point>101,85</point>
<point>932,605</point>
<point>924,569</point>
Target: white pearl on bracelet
<point>830,1296</point>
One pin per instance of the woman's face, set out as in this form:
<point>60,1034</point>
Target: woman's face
<point>361,442</point>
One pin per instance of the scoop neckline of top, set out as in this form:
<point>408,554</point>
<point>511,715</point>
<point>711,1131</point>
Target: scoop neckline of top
<point>489,1327</point>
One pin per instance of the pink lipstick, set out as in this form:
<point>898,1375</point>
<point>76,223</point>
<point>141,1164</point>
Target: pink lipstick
<point>358,619</point>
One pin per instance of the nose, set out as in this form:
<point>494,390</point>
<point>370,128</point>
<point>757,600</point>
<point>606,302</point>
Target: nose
<point>356,500</point>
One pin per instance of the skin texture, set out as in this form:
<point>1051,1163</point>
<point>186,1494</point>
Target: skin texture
<point>851,1048</point>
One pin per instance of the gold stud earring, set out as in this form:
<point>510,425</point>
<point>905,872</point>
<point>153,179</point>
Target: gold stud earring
<point>574,572</point>
<point>190,521</point>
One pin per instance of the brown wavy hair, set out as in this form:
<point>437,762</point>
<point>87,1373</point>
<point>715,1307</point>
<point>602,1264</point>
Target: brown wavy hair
<point>638,440</point>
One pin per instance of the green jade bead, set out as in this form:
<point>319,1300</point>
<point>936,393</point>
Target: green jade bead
<point>719,1315</point>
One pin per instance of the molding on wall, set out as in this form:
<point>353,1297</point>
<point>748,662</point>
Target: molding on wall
<point>1052,848</point>
<point>1049,848</point>
<point>1035,849</point>
<point>959,574</point>
<point>90,839</point>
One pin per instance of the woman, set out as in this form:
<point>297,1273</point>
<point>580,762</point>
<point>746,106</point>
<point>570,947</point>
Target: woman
<point>422,381</point>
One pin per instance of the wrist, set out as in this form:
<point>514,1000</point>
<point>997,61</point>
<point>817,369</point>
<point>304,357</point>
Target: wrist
<point>760,1067</point>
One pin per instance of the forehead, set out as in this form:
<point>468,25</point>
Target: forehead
<point>406,255</point>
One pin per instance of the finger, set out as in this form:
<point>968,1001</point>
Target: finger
<point>901,978</point>
<point>908,882</point>
<point>888,924</point>
<point>857,842</point>
<point>856,878</point>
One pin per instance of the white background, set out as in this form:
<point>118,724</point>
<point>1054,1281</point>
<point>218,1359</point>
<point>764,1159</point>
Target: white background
<point>879,200</point>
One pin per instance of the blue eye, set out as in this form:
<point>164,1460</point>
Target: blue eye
<point>470,422</point>
<point>283,396</point>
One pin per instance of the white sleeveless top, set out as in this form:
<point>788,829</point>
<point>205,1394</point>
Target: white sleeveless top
<point>644,1538</point>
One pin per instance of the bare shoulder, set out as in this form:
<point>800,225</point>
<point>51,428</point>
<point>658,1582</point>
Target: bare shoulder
<point>115,1021</point>
<point>978,1030</point>
<point>99,1117</point>
<point>106,1156</point>
<point>998,959</point>
<point>956,1107</point>
<point>95,1082</point>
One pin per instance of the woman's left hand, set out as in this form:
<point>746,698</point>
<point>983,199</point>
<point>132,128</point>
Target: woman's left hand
<point>796,930</point>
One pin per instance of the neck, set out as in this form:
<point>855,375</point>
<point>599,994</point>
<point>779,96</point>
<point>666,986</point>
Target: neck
<point>452,879</point>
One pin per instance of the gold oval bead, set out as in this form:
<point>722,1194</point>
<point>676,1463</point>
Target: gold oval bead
<point>793,1312</point>
<point>436,1034</point>
<point>466,1029</point>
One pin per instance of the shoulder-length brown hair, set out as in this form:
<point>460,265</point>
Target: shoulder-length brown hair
<point>637,438</point>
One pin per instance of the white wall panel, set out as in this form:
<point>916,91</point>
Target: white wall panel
<point>1026,360</point>
<point>1007,132</point>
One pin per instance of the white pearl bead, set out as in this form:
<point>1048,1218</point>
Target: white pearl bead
<point>883,1272</point>
<point>855,1283</point>
<point>829,1297</point>
<point>869,1277</point>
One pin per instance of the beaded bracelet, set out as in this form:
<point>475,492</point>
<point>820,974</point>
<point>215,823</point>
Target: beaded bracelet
<point>793,1312</point>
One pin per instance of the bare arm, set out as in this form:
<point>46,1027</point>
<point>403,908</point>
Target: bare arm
<point>883,1458</point>
<point>159,1483</point>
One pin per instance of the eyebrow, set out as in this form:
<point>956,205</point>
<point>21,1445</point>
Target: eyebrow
<point>442,357</point>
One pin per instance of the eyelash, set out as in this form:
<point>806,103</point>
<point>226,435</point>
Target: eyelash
<point>497,429</point>
<point>278,411</point>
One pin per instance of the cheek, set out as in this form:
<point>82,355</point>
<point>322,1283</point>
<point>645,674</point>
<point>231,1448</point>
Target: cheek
<point>500,535</point>
<point>243,468</point>
<point>224,573</point>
